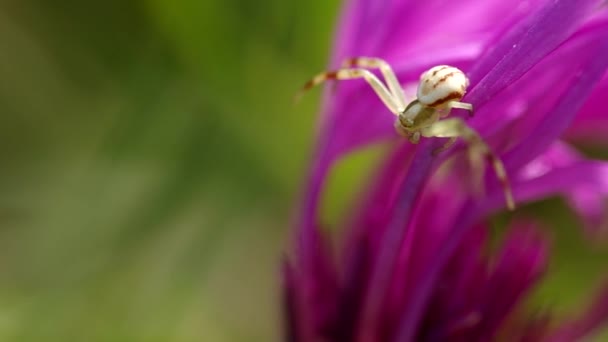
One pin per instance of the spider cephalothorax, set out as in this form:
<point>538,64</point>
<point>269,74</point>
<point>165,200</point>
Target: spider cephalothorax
<point>440,89</point>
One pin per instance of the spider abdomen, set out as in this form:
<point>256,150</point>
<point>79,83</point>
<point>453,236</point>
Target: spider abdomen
<point>441,84</point>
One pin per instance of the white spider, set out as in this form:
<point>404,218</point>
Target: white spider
<point>440,89</point>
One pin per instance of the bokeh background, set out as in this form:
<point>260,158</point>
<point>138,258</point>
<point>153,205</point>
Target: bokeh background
<point>150,162</point>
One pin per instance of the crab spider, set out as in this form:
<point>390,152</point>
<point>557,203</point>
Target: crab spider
<point>440,89</point>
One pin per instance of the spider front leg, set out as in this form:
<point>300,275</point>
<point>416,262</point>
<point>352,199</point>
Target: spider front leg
<point>347,74</point>
<point>445,109</point>
<point>413,137</point>
<point>445,146</point>
<point>478,149</point>
<point>389,75</point>
<point>461,105</point>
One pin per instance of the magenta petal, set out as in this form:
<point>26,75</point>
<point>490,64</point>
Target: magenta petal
<point>357,115</point>
<point>453,309</point>
<point>586,191</point>
<point>591,204</point>
<point>358,27</point>
<point>591,123</point>
<point>354,285</point>
<point>582,79</point>
<point>323,290</point>
<point>521,109</point>
<point>421,294</point>
<point>365,235</point>
<point>524,46</point>
<point>415,26</point>
<point>373,216</point>
<point>393,240</point>
<point>413,266</point>
<point>562,180</point>
<point>581,182</point>
<point>522,261</point>
<point>400,30</point>
<point>317,290</point>
<point>560,171</point>
<point>291,314</point>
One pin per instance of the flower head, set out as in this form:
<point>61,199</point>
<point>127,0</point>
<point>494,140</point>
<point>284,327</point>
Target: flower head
<point>413,267</point>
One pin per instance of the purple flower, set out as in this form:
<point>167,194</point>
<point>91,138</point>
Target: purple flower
<point>413,265</point>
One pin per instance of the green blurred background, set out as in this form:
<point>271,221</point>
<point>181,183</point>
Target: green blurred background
<point>150,161</point>
<point>150,158</point>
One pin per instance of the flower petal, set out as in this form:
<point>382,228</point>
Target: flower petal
<point>591,123</point>
<point>352,109</point>
<point>357,28</point>
<point>366,233</point>
<point>454,307</point>
<point>393,240</point>
<point>291,312</point>
<point>426,26</point>
<point>522,261</point>
<point>560,172</point>
<point>317,289</point>
<point>581,80</point>
<point>525,45</point>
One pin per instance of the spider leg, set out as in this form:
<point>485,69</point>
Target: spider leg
<point>461,105</point>
<point>385,69</point>
<point>447,145</point>
<point>413,137</point>
<point>478,150</point>
<point>346,74</point>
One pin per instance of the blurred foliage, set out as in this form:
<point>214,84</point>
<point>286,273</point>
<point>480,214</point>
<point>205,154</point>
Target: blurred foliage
<point>151,158</point>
